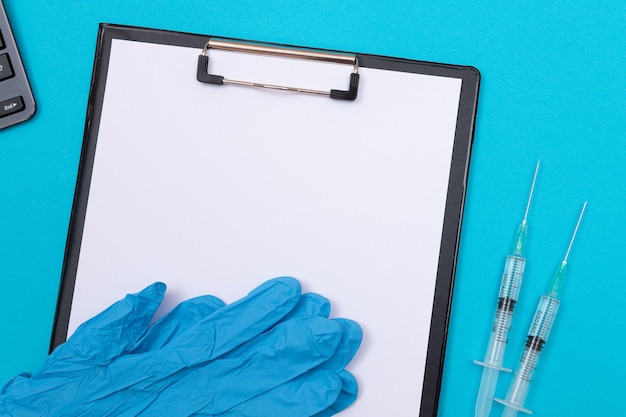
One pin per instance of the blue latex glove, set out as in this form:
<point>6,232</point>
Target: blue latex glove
<point>298,397</point>
<point>224,358</point>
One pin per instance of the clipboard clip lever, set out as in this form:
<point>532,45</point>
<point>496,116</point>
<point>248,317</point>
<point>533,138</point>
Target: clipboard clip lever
<point>264,49</point>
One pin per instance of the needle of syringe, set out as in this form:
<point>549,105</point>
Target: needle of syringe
<point>571,242</point>
<point>507,298</point>
<point>537,337</point>
<point>557,281</point>
<point>532,189</point>
<point>522,230</point>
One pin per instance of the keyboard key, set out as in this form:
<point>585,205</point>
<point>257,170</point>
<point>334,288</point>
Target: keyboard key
<point>16,98</point>
<point>5,67</point>
<point>11,106</point>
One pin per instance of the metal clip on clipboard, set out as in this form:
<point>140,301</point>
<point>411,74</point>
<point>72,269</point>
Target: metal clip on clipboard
<point>263,49</point>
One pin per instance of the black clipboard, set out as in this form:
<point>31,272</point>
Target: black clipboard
<point>348,172</point>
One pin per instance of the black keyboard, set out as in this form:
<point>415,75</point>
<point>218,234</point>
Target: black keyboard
<point>16,98</point>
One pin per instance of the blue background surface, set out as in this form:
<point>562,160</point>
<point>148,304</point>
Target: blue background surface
<point>553,88</point>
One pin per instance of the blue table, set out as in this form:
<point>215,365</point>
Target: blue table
<point>553,88</point>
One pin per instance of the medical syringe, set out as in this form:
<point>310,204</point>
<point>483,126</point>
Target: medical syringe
<point>537,337</point>
<point>507,297</point>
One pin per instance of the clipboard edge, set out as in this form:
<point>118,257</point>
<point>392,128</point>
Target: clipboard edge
<point>450,241</point>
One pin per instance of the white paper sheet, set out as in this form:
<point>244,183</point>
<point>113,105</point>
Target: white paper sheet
<point>214,189</point>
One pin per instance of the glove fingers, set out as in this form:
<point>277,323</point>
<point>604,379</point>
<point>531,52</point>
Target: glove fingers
<point>15,381</point>
<point>303,396</point>
<point>271,359</point>
<point>113,331</point>
<point>347,396</point>
<point>310,305</point>
<point>351,336</point>
<point>211,337</point>
<point>177,321</point>
<point>191,312</point>
<point>230,326</point>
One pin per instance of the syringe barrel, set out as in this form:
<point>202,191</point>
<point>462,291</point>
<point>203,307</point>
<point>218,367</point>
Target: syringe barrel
<point>507,298</point>
<point>544,318</point>
<point>511,280</point>
<point>518,390</point>
<point>537,337</point>
<point>499,338</point>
